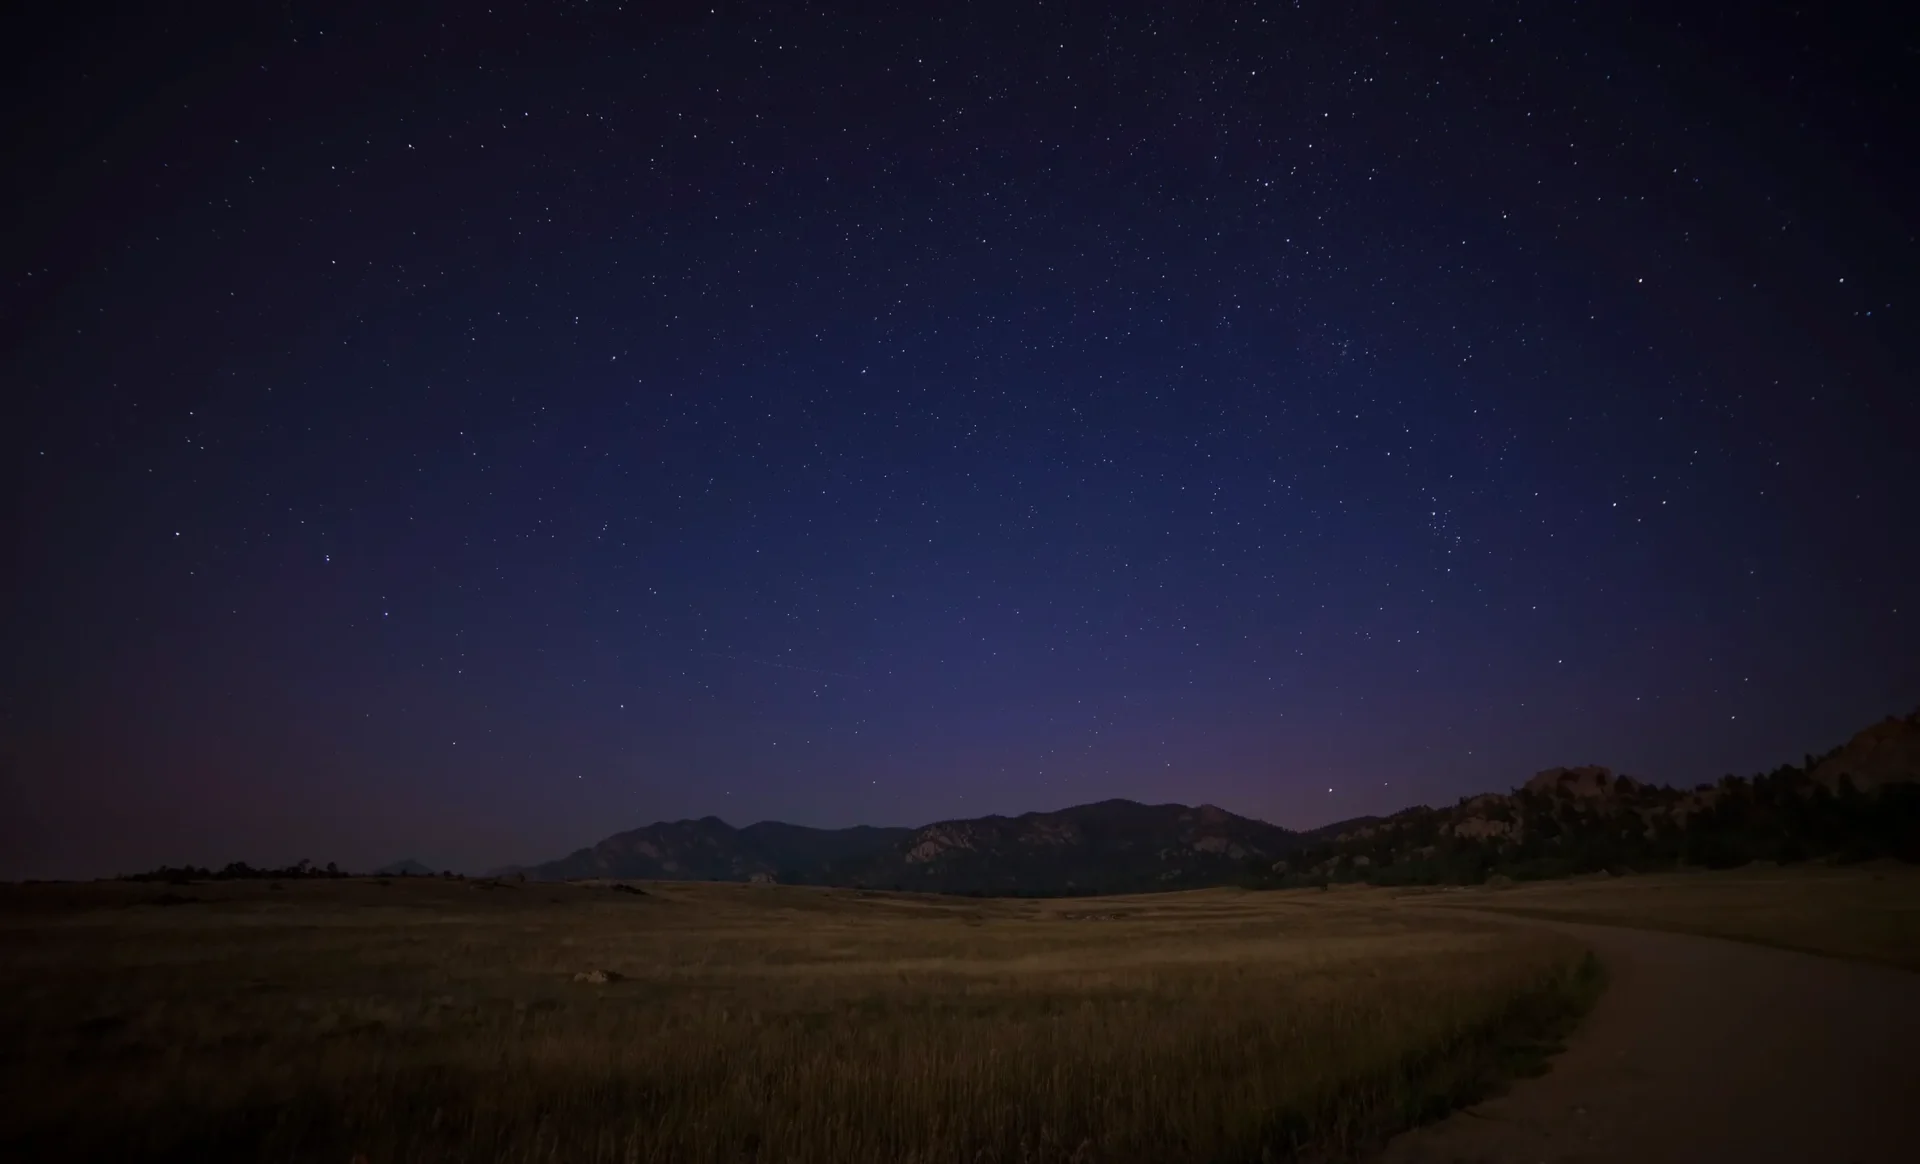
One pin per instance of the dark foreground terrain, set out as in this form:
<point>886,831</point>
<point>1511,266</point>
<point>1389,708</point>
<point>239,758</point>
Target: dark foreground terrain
<point>1706,1049</point>
<point>430,1019</point>
<point>427,1019</point>
<point>1711,1049</point>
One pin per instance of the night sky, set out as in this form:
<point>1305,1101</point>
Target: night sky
<point>463,434</point>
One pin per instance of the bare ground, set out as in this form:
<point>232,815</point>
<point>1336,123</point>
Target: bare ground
<point>1703,1049</point>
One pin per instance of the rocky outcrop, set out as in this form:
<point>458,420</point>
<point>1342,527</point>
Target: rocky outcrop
<point>1886,753</point>
<point>1480,826</point>
<point>1582,819</point>
<point>1587,783</point>
<point>938,840</point>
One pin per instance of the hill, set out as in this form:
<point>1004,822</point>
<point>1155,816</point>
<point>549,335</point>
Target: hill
<point>1886,753</point>
<point>1114,846</point>
<point>1110,847</point>
<point>710,849</point>
<point>1856,802</point>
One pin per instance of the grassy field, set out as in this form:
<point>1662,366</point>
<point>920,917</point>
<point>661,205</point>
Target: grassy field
<point>1870,913</point>
<point>438,1020</point>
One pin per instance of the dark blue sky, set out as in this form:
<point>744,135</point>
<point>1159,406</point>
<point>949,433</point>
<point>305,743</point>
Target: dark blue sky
<point>466,434</point>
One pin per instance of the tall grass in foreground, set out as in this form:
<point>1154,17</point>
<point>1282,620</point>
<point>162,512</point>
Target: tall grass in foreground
<point>767,1025</point>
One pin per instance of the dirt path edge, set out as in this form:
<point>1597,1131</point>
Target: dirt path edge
<point>1707,1049</point>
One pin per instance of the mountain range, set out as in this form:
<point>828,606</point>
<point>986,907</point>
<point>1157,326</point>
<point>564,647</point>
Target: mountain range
<point>1109,847</point>
<point>1858,801</point>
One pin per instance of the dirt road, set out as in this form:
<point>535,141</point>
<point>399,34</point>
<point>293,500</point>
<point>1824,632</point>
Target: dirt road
<point>1703,1050</point>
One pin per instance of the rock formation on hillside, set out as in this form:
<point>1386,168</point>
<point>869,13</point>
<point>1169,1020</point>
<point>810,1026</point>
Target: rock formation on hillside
<point>1860,800</point>
<point>1886,753</point>
<point>1588,783</point>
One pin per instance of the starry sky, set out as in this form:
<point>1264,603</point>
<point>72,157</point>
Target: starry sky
<point>464,433</point>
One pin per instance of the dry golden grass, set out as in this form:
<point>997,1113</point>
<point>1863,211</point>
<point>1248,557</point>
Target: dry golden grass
<point>1870,913</point>
<point>432,1020</point>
